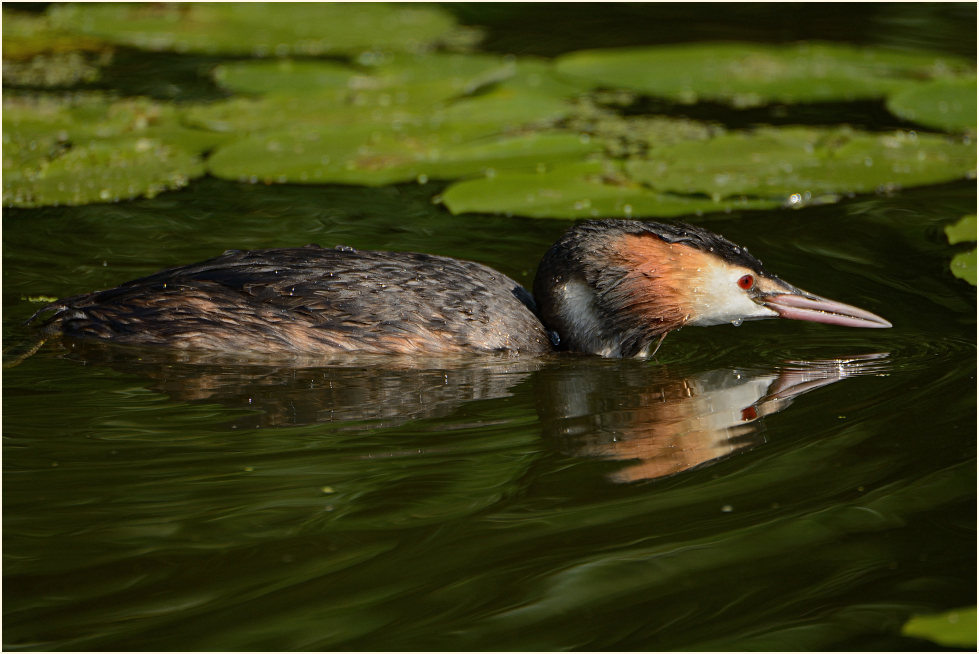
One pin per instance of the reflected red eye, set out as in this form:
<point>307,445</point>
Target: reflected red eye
<point>746,282</point>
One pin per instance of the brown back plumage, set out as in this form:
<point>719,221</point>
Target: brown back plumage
<point>310,300</point>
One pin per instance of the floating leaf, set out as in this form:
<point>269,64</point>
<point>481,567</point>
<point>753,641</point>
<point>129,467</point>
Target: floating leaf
<point>395,118</point>
<point>952,629</point>
<point>328,92</point>
<point>542,76</point>
<point>259,29</point>
<point>803,162</point>
<point>746,74</point>
<point>87,148</point>
<point>502,108</point>
<point>34,54</point>
<point>371,157</point>
<point>963,231</point>
<point>465,73</point>
<point>101,172</point>
<point>399,92</point>
<point>60,69</point>
<point>963,266</point>
<point>585,189</point>
<point>634,136</point>
<point>428,77</point>
<point>288,75</point>
<point>85,116</point>
<point>27,35</point>
<point>948,104</point>
<point>300,112</point>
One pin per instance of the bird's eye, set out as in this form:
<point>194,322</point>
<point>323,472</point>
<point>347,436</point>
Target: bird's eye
<point>746,282</point>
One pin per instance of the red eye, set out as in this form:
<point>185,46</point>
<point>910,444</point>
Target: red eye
<point>746,282</point>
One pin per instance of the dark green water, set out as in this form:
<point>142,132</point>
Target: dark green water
<point>704,500</point>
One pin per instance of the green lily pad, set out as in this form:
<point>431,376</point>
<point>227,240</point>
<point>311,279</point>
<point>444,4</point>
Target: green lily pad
<point>86,116</point>
<point>952,629</point>
<point>962,231</point>
<point>88,148</point>
<point>412,107</point>
<point>744,74</point>
<point>505,107</point>
<point>101,172</point>
<point>947,104</point>
<point>300,112</point>
<point>393,119</point>
<point>963,266</point>
<point>59,69</point>
<point>36,55</point>
<point>542,76</point>
<point>400,92</point>
<point>466,73</point>
<point>285,75</point>
<point>447,75</point>
<point>28,35</point>
<point>585,189</point>
<point>802,162</point>
<point>385,86</point>
<point>259,29</point>
<point>367,156</point>
<point>634,136</point>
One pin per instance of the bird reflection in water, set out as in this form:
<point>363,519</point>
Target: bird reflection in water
<point>659,419</point>
<point>664,424</point>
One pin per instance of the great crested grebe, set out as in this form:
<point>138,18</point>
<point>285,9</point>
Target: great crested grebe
<point>609,287</point>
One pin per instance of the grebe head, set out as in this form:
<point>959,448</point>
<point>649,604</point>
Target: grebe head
<point>617,287</point>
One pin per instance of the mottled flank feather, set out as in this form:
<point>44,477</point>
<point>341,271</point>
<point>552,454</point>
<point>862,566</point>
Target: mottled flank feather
<point>312,300</point>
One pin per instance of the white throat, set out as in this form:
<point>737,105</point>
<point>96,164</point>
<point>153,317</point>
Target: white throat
<point>580,315</point>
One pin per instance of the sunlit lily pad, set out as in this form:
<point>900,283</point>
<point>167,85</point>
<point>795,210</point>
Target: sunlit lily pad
<point>803,161</point>
<point>952,628</point>
<point>26,35</point>
<point>366,156</point>
<point>259,29</point>
<point>386,83</point>
<point>962,231</point>
<point>86,116</point>
<point>36,55</point>
<point>503,108</point>
<point>585,189</point>
<point>542,76</point>
<point>746,74</point>
<point>634,136</point>
<point>283,111</point>
<point>285,75</point>
<point>388,119</point>
<point>963,264</point>
<point>441,76</point>
<point>87,148</point>
<point>101,172</point>
<point>60,69</point>
<point>397,92</point>
<point>948,104</point>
